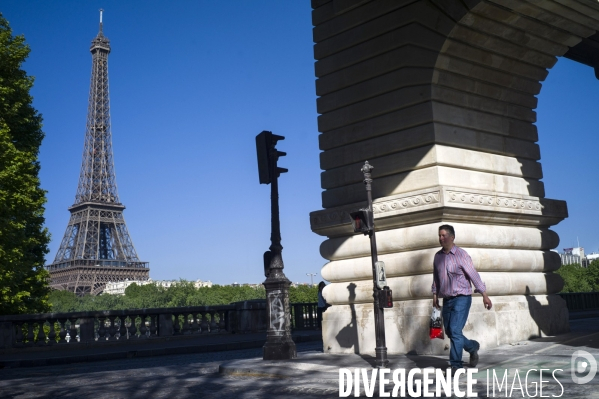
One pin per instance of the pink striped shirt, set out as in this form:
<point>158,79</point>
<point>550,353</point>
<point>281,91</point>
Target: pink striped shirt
<point>453,272</point>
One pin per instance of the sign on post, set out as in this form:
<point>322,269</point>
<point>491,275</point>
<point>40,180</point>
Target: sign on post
<point>381,274</point>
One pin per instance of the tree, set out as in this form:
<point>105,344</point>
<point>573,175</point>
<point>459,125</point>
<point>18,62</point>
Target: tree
<point>592,274</point>
<point>303,293</point>
<point>64,301</point>
<point>183,293</point>
<point>575,278</point>
<point>144,296</point>
<point>23,239</point>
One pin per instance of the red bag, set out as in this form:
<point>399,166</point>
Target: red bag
<point>436,325</point>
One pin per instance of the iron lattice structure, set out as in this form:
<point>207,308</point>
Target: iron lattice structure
<point>96,247</point>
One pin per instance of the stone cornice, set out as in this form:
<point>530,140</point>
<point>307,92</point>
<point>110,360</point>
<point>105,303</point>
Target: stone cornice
<point>491,200</point>
<point>445,203</point>
<point>406,202</point>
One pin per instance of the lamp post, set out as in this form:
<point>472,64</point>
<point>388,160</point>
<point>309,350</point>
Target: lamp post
<point>363,221</point>
<point>311,276</point>
<point>279,344</point>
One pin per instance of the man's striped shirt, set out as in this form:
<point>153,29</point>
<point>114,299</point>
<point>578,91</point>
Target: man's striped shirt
<point>453,272</point>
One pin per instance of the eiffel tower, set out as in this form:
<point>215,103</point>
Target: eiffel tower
<point>96,247</point>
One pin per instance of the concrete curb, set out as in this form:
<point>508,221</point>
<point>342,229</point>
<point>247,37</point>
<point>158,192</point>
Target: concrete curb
<point>279,372</point>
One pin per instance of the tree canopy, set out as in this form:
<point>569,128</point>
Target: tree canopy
<point>23,238</point>
<point>183,293</point>
<point>580,279</point>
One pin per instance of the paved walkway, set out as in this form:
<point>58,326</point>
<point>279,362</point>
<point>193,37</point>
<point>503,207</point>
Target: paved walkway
<point>115,350</point>
<point>243,374</point>
<point>520,364</point>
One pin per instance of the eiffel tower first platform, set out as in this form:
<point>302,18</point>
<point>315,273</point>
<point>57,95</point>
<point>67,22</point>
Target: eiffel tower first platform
<point>96,247</point>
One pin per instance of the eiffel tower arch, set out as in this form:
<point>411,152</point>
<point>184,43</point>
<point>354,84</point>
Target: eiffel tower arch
<point>96,247</point>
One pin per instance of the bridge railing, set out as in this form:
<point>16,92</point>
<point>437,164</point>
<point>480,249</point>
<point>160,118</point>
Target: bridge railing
<point>47,329</point>
<point>581,300</point>
<point>304,316</point>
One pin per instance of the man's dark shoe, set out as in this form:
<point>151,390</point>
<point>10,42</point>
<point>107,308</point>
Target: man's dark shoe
<point>474,355</point>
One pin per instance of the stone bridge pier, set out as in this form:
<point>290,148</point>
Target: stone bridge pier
<point>439,96</point>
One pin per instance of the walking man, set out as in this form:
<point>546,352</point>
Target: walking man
<point>453,272</point>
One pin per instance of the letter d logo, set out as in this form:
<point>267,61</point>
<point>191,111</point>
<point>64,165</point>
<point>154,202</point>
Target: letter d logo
<point>581,366</point>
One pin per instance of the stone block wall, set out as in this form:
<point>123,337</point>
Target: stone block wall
<point>439,96</point>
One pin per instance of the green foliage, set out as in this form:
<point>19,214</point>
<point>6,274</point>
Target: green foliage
<point>592,274</point>
<point>580,279</point>
<point>23,239</point>
<point>64,301</point>
<point>145,296</point>
<point>183,293</point>
<point>303,293</point>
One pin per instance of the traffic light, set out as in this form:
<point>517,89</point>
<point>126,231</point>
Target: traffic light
<point>267,258</point>
<point>386,298</point>
<point>362,221</point>
<point>268,156</point>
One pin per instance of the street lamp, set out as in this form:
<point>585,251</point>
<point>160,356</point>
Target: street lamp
<point>311,276</point>
<point>363,222</point>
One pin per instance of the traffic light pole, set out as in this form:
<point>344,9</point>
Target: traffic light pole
<point>381,360</point>
<point>279,344</point>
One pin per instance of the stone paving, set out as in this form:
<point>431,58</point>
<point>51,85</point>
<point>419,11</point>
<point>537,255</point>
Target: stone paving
<point>181,376</point>
<point>116,350</point>
<point>243,374</point>
<point>506,371</point>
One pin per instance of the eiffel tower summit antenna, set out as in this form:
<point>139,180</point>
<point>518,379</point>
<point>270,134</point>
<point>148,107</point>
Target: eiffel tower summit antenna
<point>96,247</point>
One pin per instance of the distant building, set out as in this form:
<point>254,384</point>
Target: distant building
<point>592,256</point>
<point>574,256</point>
<point>119,287</point>
<point>236,284</point>
<point>300,284</point>
<point>575,251</point>
<point>569,259</point>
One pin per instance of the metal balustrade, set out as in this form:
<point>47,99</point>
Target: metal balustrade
<point>581,300</point>
<point>304,316</point>
<point>125,326</point>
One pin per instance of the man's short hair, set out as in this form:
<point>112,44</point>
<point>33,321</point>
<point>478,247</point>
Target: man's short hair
<point>448,228</point>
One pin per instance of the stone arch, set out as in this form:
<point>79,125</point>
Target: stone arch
<point>439,96</point>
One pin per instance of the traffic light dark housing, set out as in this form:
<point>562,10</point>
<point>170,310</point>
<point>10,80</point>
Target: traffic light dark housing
<point>268,156</point>
<point>362,221</point>
<point>267,258</point>
<point>386,298</point>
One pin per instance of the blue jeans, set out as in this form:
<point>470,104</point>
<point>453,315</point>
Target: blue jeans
<point>455,313</point>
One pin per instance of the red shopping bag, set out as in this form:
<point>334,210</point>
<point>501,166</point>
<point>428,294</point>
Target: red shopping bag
<point>436,326</point>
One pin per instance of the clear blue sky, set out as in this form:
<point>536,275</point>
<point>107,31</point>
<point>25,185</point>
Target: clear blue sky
<point>191,84</point>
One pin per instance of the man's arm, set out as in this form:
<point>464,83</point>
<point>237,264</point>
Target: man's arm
<point>487,301</point>
<point>434,291</point>
<point>474,277</point>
